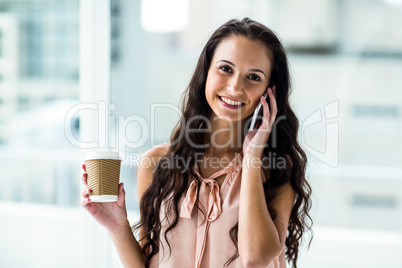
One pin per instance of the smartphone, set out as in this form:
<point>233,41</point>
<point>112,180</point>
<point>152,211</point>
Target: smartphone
<point>257,116</point>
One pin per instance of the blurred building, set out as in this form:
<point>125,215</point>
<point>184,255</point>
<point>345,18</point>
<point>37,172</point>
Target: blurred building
<point>39,66</point>
<point>8,72</point>
<point>39,57</point>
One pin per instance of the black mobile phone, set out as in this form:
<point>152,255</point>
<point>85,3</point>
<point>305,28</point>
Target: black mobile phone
<point>257,116</point>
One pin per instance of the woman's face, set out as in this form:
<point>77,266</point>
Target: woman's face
<point>237,77</point>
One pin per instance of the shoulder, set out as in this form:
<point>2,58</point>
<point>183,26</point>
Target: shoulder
<point>151,158</point>
<point>147,165</point>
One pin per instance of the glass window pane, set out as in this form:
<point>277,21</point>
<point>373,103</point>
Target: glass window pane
<point>40,186</point>
<point>39,84</point>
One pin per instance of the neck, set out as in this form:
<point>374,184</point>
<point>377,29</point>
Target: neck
<point>226,137</point>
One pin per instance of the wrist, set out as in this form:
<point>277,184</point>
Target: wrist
<point>248,156</point>
<point>120,229</point>
<point>252,161</point>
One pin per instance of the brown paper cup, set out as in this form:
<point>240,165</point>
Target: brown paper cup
<point>103,169</point>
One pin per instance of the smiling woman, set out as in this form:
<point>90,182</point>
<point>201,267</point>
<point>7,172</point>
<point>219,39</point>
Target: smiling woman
<point>259,212</point>
<point>261,217</point>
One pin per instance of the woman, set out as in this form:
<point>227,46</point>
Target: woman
<point>219,195</point>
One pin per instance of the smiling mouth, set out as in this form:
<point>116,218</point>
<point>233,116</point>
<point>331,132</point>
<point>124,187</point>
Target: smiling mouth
<point>230,102</point>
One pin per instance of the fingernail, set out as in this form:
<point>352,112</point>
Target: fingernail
<point>270,90</point>
<point>89,200</point>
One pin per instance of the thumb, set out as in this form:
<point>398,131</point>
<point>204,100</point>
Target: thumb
<point>121,198</point>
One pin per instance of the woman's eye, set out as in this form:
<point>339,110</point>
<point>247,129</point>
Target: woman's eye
<point>226,69</point>
<point>254,77</point>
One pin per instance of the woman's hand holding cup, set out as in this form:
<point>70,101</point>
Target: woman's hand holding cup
<point>111,215</point>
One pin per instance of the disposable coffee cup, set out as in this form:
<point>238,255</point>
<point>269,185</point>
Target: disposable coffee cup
<point>103,169</point>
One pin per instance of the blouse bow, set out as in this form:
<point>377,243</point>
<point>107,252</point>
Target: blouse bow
<point>208,187</point>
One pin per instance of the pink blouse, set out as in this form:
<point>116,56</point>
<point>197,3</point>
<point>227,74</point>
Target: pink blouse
<point>203,241</point>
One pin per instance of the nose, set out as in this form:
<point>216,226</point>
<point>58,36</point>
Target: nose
<point>235,86</point>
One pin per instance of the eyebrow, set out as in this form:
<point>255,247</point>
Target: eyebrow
<point>251,70</point>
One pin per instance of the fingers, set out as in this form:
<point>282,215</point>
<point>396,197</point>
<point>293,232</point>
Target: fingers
<point>265,123</point>
<point>269,111</point>
<point>85,193</point>
<point>121,198</point>
<point>85,202</point>
<point>272,101</point>
<point>84,177</point>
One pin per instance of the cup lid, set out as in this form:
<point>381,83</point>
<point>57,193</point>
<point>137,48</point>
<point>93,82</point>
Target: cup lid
<point>103,155</point>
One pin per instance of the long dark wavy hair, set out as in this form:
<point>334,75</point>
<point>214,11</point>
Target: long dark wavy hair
<point>171,180</point>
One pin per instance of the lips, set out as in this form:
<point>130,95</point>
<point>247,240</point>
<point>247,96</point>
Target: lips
<point>230,103</point>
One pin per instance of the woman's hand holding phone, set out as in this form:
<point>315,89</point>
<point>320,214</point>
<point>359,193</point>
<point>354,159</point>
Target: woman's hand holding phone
<point>258,135</point>
<point>257,116</point>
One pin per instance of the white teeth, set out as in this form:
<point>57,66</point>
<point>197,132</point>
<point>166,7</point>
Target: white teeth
<point>236,103</point>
